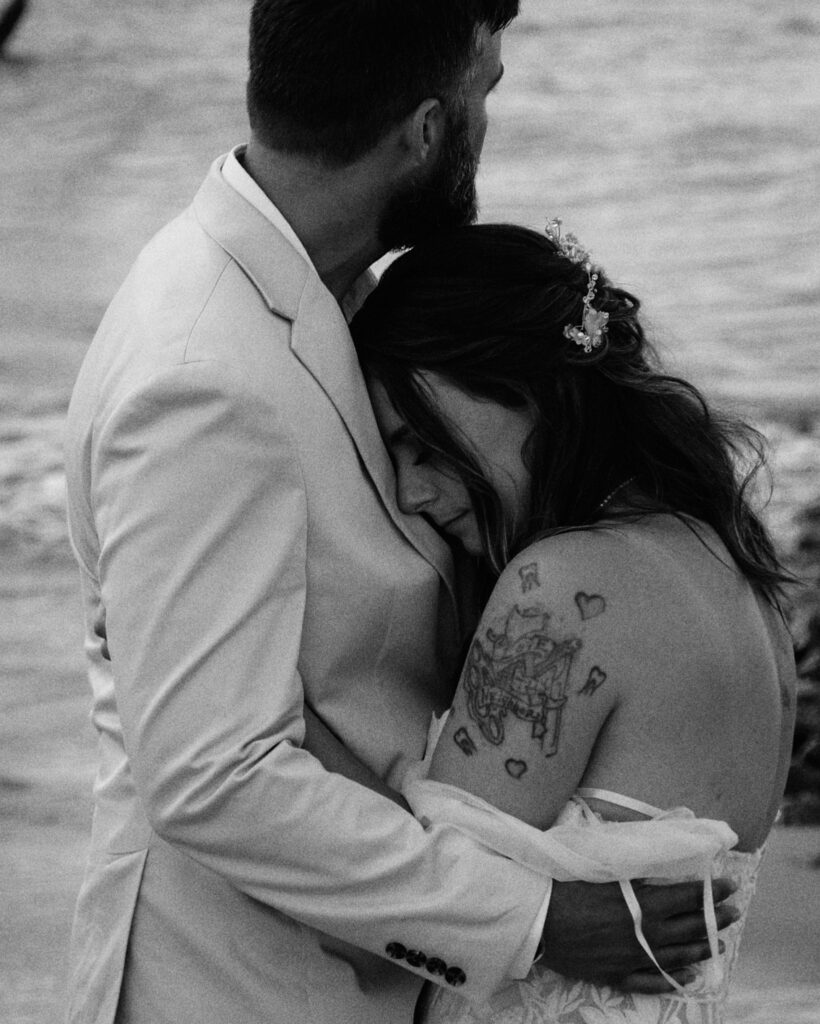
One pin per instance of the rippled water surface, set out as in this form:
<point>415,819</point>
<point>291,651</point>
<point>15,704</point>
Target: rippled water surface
<point>680,143</point>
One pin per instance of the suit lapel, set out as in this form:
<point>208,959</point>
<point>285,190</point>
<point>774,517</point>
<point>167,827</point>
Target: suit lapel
<point>320,339</point>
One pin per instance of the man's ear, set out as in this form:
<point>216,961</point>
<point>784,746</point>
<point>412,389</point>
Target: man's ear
<point>423,132</point>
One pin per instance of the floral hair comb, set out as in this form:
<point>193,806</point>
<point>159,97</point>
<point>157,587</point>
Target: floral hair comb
<point>590,334</point>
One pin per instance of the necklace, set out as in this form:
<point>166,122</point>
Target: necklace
<point>611,495</point>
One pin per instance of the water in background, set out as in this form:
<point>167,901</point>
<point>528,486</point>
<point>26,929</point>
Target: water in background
<point>680,143</point>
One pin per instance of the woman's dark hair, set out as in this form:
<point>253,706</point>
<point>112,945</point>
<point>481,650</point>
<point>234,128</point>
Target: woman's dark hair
<point>485,308</point>
<point>328,78</point>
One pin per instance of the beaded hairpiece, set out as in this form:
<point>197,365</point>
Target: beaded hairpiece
<point>590,334</point>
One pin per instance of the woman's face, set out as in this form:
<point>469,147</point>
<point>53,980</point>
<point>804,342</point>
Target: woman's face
<point>495,435</point>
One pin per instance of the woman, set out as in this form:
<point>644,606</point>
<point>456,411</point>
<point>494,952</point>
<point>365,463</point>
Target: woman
<point>631,657</point>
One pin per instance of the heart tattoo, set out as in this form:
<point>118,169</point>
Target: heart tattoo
<point>515,768</point>
<point>590,605</point>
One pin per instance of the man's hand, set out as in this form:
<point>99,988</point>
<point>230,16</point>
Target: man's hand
<point>589,932</point>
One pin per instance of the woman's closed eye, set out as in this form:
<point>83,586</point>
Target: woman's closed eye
<point>410,452</point>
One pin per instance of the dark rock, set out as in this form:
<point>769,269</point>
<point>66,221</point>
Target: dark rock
<point>802,801</point>
<point>9,17</point>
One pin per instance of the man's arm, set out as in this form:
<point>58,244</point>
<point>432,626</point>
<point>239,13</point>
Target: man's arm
<point>335,757</point>
<point>588,933</point>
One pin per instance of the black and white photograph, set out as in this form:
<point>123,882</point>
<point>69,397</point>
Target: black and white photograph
<point>409,512</point>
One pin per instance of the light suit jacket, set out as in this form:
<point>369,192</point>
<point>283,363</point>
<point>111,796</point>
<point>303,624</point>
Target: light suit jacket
<point>232,510</point>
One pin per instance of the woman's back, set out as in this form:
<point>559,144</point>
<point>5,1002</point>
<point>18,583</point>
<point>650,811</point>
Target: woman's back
<point>705,677</point>
<point>631,658</point>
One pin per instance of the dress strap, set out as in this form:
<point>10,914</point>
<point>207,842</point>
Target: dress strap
<point>592,792</point>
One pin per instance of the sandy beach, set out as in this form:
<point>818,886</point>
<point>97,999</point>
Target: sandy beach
<point>687,162</point>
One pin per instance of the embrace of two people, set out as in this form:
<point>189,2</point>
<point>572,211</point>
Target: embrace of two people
<point>438,665</point>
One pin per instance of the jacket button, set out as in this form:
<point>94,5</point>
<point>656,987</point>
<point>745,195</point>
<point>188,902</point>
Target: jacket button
<point>436,966</point>
<point>395,951</point>
<point>455,976</point>
<point>416,958</point>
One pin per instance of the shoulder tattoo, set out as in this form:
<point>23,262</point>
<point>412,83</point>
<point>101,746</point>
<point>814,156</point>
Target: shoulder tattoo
<point>521,671</point>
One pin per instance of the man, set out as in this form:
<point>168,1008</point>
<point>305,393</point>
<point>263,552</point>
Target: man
<point>244,566</point>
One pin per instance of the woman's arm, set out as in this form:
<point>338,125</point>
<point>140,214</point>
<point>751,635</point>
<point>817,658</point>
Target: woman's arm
<point>335,757</point>
<point>537,688</point>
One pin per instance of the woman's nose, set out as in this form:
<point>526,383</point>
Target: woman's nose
<point>414,490</point>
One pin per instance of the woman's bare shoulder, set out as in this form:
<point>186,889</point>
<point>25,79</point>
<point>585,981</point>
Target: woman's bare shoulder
<point>651,555</point>
<point>645,586</point>
<point>579,563</point>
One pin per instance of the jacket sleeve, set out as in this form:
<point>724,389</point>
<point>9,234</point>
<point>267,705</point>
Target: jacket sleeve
<point>199,506</point>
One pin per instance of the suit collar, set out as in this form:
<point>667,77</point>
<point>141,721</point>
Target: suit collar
<point>265,255</point>
<point>320,338</point>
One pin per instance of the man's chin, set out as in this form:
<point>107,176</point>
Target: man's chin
<point>413,218</point>
<point>399,241</point>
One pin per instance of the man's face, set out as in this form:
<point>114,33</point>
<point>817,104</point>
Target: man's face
<point>487,73</point>
<point>446,196</point>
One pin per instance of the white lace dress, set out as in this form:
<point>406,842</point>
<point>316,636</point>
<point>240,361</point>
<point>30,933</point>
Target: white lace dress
<point>668,845</point>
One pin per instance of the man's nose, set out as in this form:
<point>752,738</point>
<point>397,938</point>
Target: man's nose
<point>414,491</point>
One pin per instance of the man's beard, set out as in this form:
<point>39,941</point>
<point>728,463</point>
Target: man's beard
<point>445,199</point>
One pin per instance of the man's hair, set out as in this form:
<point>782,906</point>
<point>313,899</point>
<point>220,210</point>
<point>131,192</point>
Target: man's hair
<point>328,78</point>
<point>485,307</point>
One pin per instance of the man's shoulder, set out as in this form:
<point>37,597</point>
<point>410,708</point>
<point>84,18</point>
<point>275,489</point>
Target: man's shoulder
<point>185,301</point>
<point>184,281</point>
<point>180,254</point>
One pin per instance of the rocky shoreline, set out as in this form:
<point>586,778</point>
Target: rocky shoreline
<point>802,801</point>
